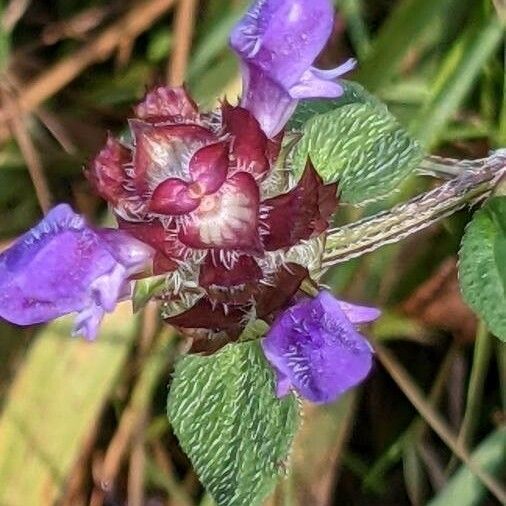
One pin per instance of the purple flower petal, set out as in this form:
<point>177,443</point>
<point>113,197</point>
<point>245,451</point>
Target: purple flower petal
<point>359,314</point>
<point>311,86</point>
<point>129,252</point>
<point>62,266</point>
<point>209,167</point>
<point>173,196</point>
<point>283,37</point>
<point>283,385</point>
<point>270,103</point>
<point>334,73</point>
<point>316,350</point>
<point>278,42</point>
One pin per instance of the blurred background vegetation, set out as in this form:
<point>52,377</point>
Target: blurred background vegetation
<point>85,423</point>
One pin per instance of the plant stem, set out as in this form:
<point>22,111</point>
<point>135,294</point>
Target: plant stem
<point>481,360</point>
<point>501,363</point>
<point>475,181</point>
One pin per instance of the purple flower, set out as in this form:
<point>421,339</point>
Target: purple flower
<point>278,42</point>
<point>316,350</point>
<point>63,266</point>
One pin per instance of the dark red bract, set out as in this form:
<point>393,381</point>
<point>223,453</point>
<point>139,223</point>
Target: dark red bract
<point>205,192</point>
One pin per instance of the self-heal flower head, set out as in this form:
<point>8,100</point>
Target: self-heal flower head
<point>278,42</point>
<point>63,266</point>
<point>316,350</point>
<point>226,223</point>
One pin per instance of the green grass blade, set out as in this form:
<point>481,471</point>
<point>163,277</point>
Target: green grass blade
<point>352,11</point>
<point>5,38</point>
<point>213,43</point>
<point>319,448</point>
<point>402,30</point>
<point>457,74</point>
<point>481,359</point>
<point>464,489</point>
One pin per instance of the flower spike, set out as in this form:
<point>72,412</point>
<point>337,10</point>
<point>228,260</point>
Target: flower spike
<point>205,192</point>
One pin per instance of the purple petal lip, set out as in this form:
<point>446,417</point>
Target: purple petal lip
<point>359,314</point>
<point>62,266</point>
<point>278,42</point>
<point>315,349</point>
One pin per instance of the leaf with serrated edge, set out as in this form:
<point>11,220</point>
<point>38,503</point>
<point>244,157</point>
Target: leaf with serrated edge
<point>236,432</point>
<point>481,266</point>
<point>362,146</point>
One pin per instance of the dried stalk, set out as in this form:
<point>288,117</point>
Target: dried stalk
<point>435,421</point>
<point>184,25</point>
<point>131,25</point>
<point>17,125</point>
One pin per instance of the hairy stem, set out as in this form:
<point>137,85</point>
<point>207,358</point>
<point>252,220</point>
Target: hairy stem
<point>474,180</point>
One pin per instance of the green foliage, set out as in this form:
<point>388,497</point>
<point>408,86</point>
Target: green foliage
<point>55,400</point>
<point>5,39</point>
<point>437,65</point>
<point>231,425</point>
<point>361,145</point>
<point>408,23</point>
<point>482,270</point>
<point>215,40</point>
<point>456,76</point>
<point>160,43</point>
<point>464,489</point>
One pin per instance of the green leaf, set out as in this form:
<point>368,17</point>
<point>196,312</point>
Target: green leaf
<point>255,329</point>
<point>482,271</point>
<point>362,146</point>
<point>495,208</point>
<point>236,432</point>
<point>464,489</point>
